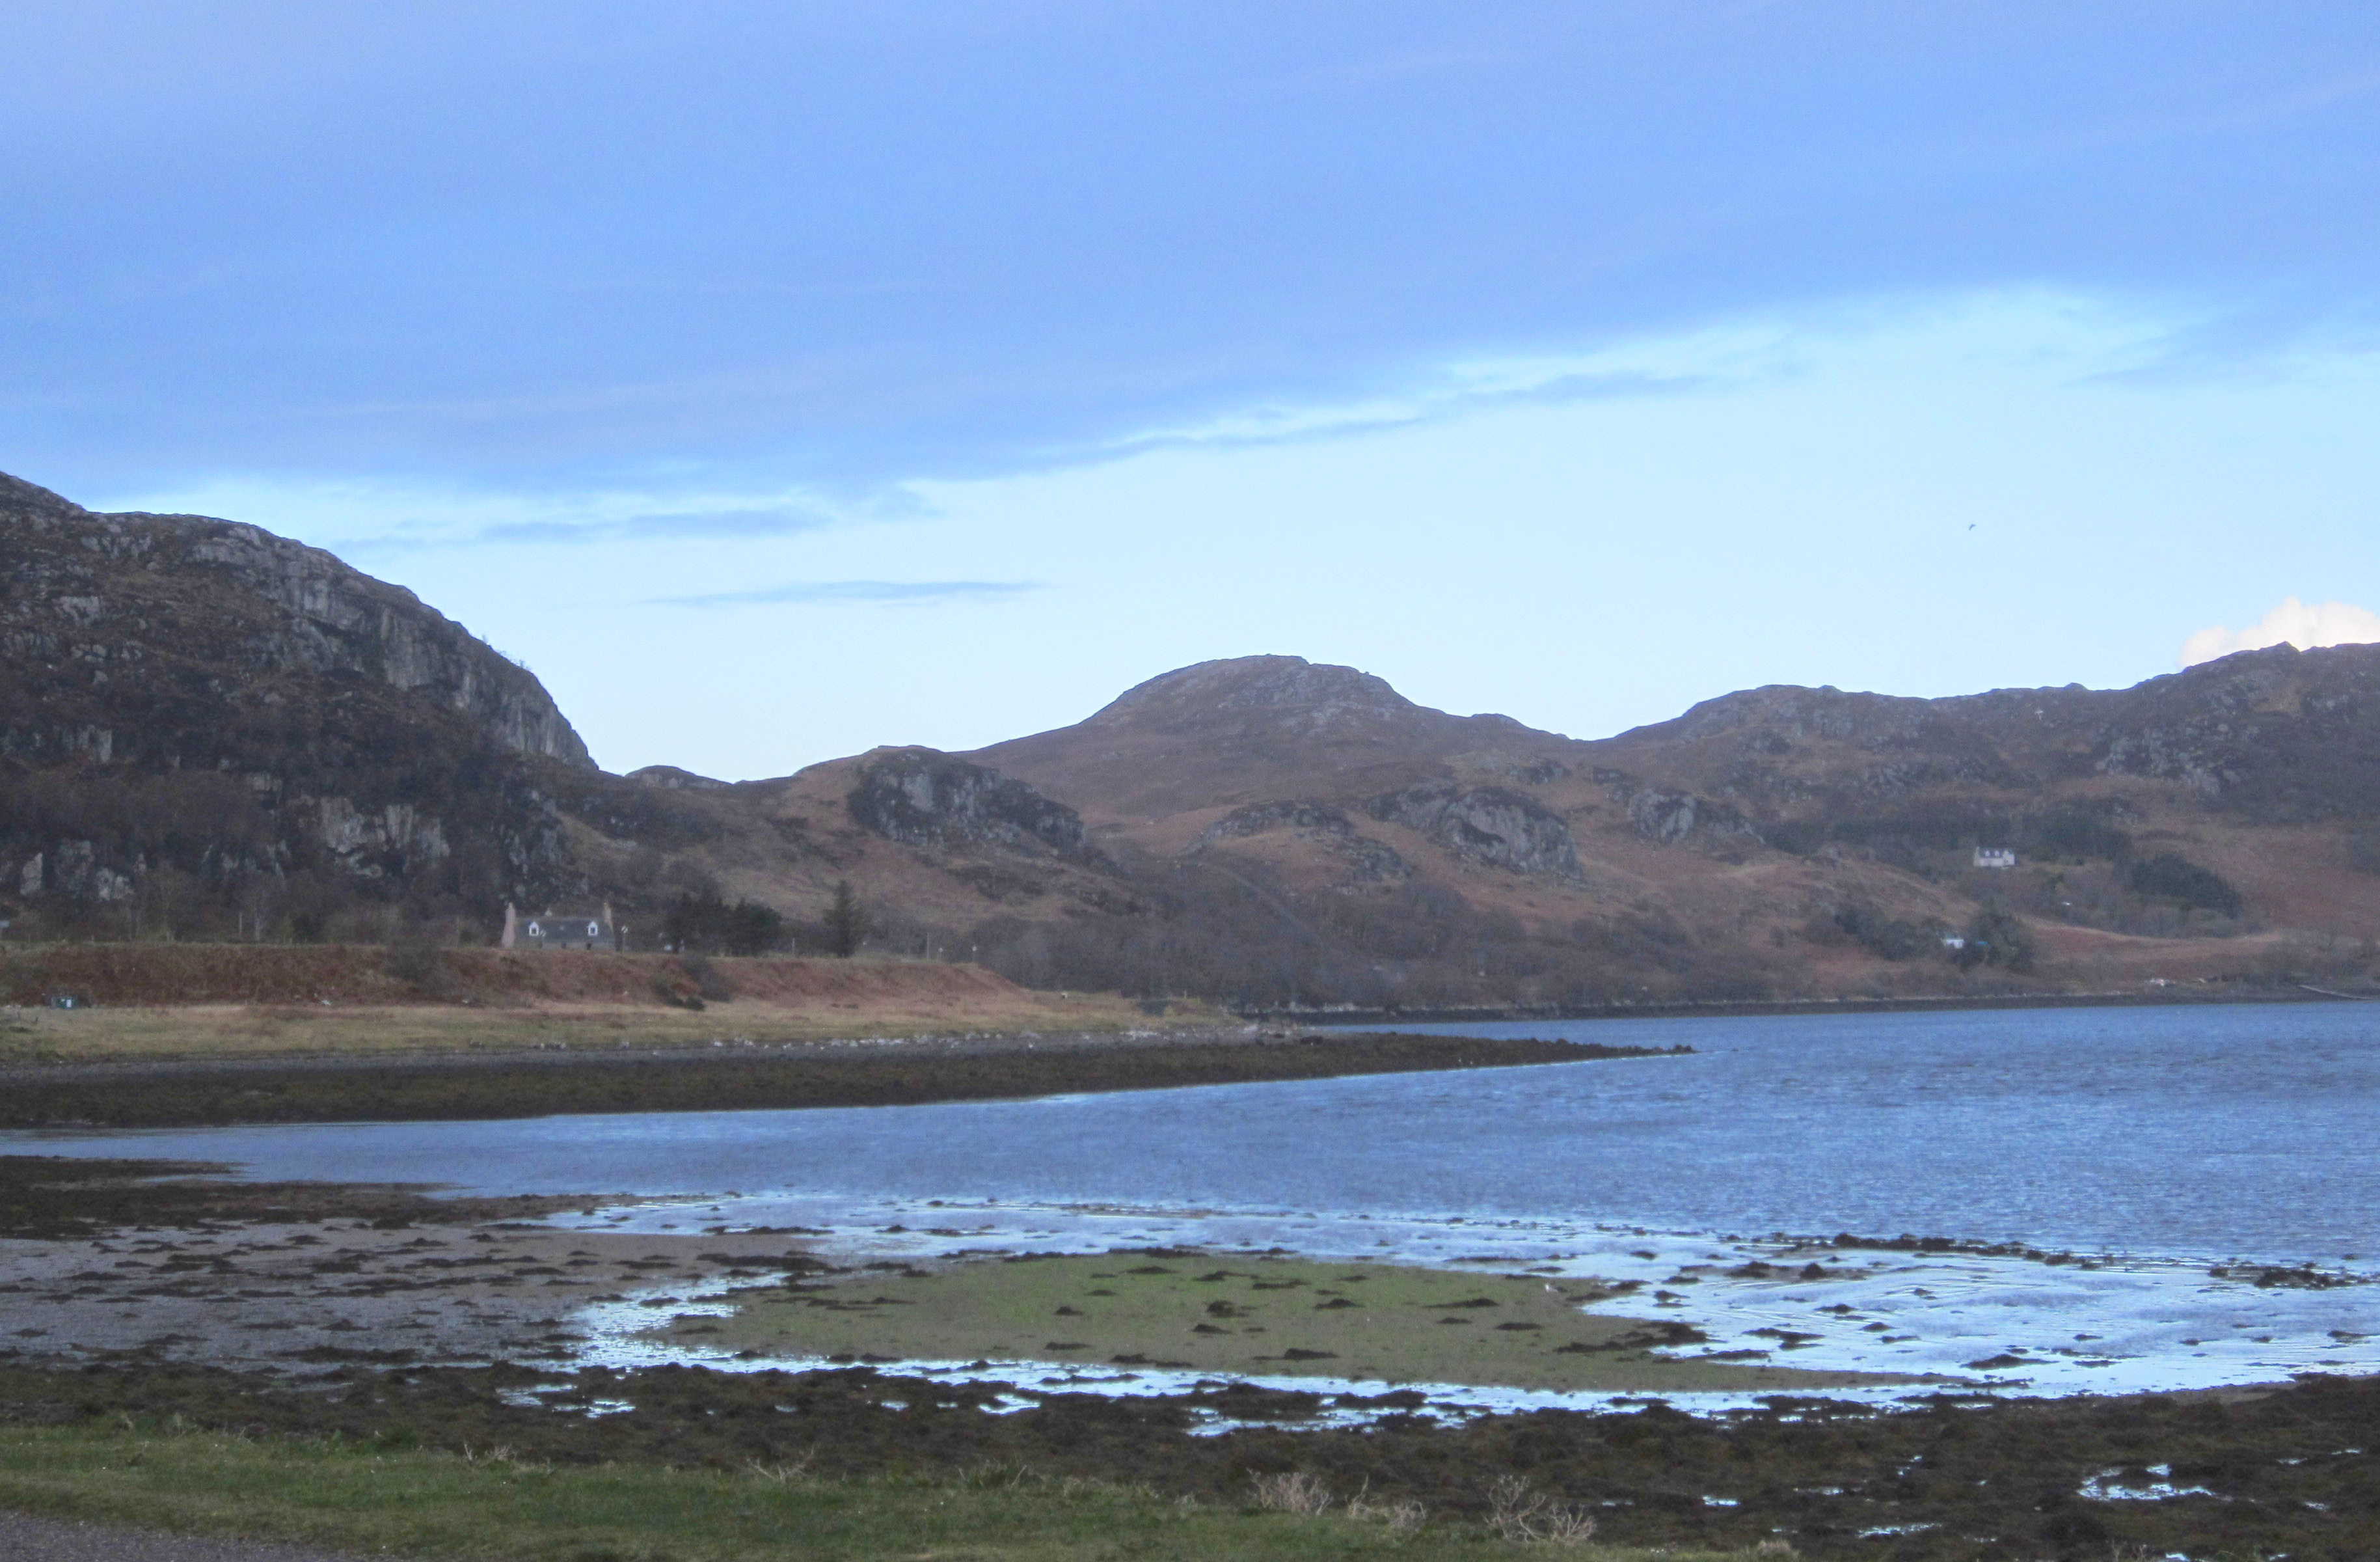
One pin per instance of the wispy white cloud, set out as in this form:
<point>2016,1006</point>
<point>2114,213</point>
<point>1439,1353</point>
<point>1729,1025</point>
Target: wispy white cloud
<point>911,593</point>
<point>768,520</point>
<point>2031,330</point>
<point>1456,391</point>
<point>368,519</point>
<point>2307,625</point>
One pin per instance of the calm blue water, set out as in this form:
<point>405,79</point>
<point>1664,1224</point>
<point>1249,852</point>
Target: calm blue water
<point>2241,1131</point>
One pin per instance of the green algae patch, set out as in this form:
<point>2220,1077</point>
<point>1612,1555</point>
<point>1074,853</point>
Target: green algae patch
<point>1241,1314</point>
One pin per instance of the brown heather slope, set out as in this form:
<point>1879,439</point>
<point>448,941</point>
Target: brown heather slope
<point>1777,839</point>
<point>149,1002</point>
<point>112,974</point>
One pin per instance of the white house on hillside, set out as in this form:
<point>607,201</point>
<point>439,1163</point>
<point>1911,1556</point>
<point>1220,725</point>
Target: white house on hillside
<point>1995,857</point>
<point>572,930</point>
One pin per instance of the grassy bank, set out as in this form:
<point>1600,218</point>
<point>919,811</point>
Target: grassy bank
<point>144,1002</point>
<point>264,1031</point>
<point>367,1090</point>
<point>376,1497</point>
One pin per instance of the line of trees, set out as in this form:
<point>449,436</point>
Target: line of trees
<point>704,923</point>
<point>701,922</point>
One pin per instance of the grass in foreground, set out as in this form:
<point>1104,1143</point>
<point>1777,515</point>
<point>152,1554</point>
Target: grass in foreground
<point>1261,1315</point>
<point>410,1503</point>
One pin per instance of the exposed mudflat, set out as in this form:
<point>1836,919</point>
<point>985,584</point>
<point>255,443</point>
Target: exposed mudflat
<point>299,1297</point>
<point>379,1312</point>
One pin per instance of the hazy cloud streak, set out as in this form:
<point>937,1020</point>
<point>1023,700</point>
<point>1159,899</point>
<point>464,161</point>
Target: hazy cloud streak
<point>901,593</point>
<point>693,523</point>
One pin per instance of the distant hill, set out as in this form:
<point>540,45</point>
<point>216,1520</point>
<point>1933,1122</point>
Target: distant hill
<point>210,731</point>
<point>2216,822</point>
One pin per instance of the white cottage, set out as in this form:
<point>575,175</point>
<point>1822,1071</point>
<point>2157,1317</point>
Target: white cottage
<point>1995,857</point>
<point>562,930</point>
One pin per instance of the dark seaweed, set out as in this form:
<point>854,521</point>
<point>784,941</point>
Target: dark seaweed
<point>2290,1469</point>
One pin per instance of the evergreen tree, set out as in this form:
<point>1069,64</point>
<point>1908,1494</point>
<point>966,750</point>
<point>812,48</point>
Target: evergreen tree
<point>707,924</point>
<point>847,921</point>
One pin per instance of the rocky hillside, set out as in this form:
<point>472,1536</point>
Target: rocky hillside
<point>2216,823</point>
<point>201,723</point>
<point>210,731</point>
<point>2274,737</point>
<point>224,606</point>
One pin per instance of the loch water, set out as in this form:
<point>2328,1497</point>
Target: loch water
<point>2157,1142</point>
<point>2248,1131</point>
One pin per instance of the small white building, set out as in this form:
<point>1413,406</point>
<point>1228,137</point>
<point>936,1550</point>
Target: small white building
<point>566,929</point>
<point>1995,857</point>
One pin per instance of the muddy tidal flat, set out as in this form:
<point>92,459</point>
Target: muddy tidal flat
<point>161,1291</point>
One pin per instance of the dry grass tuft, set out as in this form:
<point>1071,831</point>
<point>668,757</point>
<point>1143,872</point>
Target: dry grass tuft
<point>1291,1492</point>
<point>1402,1517</point>
<point>1518,1511</point>
<point>783,1474</point>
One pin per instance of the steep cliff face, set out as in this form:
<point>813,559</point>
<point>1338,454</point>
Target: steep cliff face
<point>129,596</point>
<point>203,723</point>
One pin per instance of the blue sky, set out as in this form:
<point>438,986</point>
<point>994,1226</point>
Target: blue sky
<point>778,380</point>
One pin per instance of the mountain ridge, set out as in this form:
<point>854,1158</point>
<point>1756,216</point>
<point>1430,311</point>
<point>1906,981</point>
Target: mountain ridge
<point>207,730</point>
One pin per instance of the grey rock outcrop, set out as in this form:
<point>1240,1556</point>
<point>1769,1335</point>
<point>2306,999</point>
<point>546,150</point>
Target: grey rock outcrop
<point>101,590</point>
<point>183,693</point>
<point>921,797</point>
<point>1491,825</point>
<point>1262,818</point>
<point>1367,861</point>
<point>670,778</point>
